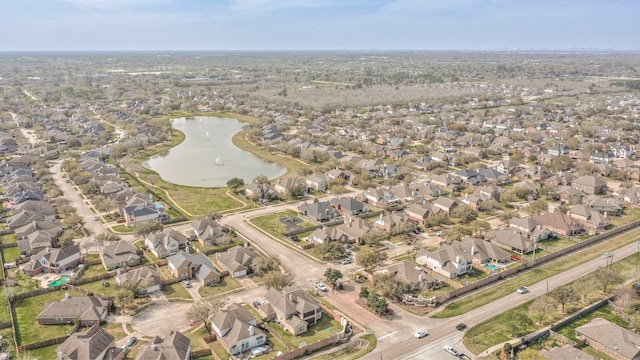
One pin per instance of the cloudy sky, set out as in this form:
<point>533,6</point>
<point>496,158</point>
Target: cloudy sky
<point>318,24</point>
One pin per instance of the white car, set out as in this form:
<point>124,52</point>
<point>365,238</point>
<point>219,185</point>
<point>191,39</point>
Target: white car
<point>451,350</point>
<point>346,261</point>
<point>186,283</point>
<point>322,287</point>
<point>523,290</point>
<point>420,334</point>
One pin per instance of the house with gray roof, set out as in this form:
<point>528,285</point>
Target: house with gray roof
<point>412,275</point>
<point>349,205</point>
<point>589,184</point>
<point>138,214</point>
<point>482,251</point>
<point>165,243</point>
<point>236,329</point>
<point>611,339</point>
<point>511,239</point>
<point>53,260</point>
<point>146,275</point>
<point>295,308</point>
<point>320,211</point>
<point>447,261</point>
<point>174,346</point>
<point>317,182</point>
<point>354,228</point>
<point>88,310</point>
<point>120,254</point>
<point>237,260</point>
<point>91,344</point>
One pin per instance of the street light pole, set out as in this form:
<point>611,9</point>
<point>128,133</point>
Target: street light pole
<point>533,256</point>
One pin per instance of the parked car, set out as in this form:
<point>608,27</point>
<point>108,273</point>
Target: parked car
<point>132,340</point>
<point>346,261</point>
<point>523,290</point>
<point>461,326</point>
<point>420,334</point>
<point>451,350</point>
<point>322,287</point>
<point>186,283</point>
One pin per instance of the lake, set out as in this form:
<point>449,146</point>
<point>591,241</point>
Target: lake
<point>207,157</point>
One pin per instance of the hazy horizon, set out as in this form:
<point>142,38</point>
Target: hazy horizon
<point>319,25</point>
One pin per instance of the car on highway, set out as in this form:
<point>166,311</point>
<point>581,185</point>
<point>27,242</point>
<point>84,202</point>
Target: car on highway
<point>607,254</point>
<point>346,261</point>
<point>420,334</point>
<point>451,350</point>
<point>186,283</point>
<point>322,287</point>
<point>523,290</point>
<point>461,326</point>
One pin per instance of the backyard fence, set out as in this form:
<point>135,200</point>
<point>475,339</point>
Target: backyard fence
<point>305,350</point>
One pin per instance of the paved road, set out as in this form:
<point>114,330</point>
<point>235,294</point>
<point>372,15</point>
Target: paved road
<point>442,331</point>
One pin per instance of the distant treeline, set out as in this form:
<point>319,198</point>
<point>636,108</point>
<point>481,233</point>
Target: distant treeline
<point>631,84</point>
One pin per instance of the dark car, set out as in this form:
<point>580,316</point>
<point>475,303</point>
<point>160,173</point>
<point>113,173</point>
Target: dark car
<point>461,326</point>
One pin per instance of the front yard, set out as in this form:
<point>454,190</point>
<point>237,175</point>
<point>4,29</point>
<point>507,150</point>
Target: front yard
<point>176,291</point>
<point>271,223</point>
<point>324,328</point>
<point>227,283</point>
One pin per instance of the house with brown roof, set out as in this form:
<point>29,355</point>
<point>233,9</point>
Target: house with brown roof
<point>611,339</point>
<point>294,308</point>
<point>165,243</point>
<point>119,254</point>
<point>88,310</point>
<point>354,228</point>
<point>193,266</point>
<point>419,212</point>
<point>560,223</point>
<point>394,223</point>
<point>237,260</point>
<point>511,239</point>
<point>91,344</point>
<point>236,329</point>
<point>325,235</point>
<point>592,219</point>
<point>412,275</point>
<point>482,251</point>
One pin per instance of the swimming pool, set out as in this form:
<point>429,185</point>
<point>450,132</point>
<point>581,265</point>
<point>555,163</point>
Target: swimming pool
<point>491,267</point>
<point>60,280</point>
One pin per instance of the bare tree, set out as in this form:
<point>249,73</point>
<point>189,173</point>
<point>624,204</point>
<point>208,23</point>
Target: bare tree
<point>584,286</point>
<point>277,280</point>
<point>542,305</point>
<point>606,276</point>
<point>564,295</point>
<point>202,310</point>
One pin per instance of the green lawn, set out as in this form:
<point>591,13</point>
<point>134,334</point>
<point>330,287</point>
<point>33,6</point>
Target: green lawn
<point>8,339</point>
<point>94,270</point>
<point>9,238</point>
<point>24,283</point>
<point>227,283</point>
<point>122,229</point>
<point>10,254</point>
<point>4,315</point>
<point>271,223</point>
<point>508,286</point>
<point>605,312</point>
<point>29,331</point>
<point>97,287</point>
<point>44,353</point>
<point>219,350</point>
<point>196,339</point>
<point>557,243</point>
<point>175,291</point>
<point>234,241</point>
<point>324,328</point>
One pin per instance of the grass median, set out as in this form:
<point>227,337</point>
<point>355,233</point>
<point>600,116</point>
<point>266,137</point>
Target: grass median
<point>506,287</point>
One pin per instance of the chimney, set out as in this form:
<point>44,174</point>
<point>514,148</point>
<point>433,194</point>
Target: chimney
<point>34,225</point>
<point>457,259</point>
<point>251,332</point>
<point>473,250</point>
<point>153,347</point>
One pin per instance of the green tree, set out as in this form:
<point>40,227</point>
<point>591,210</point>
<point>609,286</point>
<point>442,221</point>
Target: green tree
<point>332,250</point>
<point>124,297</point>
<point>374,237</point>
<point>202,310</point>
<point>465,213</point>
<point>332,276</point>
<point>391,286</point>
<point>235,184</point>
<point>537,207</point>
<point>369,259</point>
<point>262,265</point>
<point>148,227</point>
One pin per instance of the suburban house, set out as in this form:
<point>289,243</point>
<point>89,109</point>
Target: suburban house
<point>91,344</point>
<point>317,182</point>
<point>560,223</point>
<point>88,310</point>
<point>354,228</point>
<point>53,260</point>
<point>381,198</point>
<point>119,254</point>
<point>592,219</point>
<point>208,232</point>
<point>236,329</point>
<point>530,228</point>
<point>446,261</point>
<point>326,235</point>
<point>407,272</point>
<point>146,276</point>
<point>611,339</point>
<point>446,182</point>
<point>589,184</point>
<point>237,260</point>
<point>349,205</point>
<point>285,185</point>
<point>605,205</point>
<point>482,251</point>
<point>394,223</point>
<point>193,266</point>
<point>511,239</point>
<point>294,308</point>
<point>35,241</point>
<point>566,352</point>
<point>418,213</point>
<point>320,211</point>
<point>165,243</point>
<point>445,203</point>
<point>26,217</point>
<point>138,214</point>
<point>173,346</point>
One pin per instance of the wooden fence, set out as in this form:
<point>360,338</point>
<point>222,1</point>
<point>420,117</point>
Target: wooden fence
<point>44,343</point>
<point>539,261</point>
<point>305,350</point>
<point>200,353</point>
